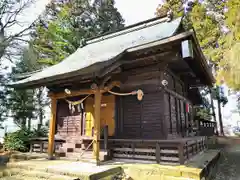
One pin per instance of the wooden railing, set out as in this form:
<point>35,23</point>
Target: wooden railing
<point>40,145</point>
<point>176,151</point>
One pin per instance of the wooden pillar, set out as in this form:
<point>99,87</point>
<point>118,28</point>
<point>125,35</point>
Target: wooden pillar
<point>106,137</point>
<point>97,113</point>
<point>41,146</point>
<point>158,151</point>
<point>52,126</point>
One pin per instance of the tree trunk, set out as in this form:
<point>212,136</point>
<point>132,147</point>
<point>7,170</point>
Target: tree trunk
<point>41,113</point>
<point>220,117</point>
<point>213,111</point>
<point>29,124</point>
<point>23,124</point>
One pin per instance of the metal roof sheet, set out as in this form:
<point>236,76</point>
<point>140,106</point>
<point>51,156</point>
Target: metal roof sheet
<point>100,50</point>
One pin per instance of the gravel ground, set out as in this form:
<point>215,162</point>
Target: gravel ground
<point>229,164</point>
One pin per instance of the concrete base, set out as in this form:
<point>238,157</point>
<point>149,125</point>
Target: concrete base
<point>71,169</point>
<point>200,167</point>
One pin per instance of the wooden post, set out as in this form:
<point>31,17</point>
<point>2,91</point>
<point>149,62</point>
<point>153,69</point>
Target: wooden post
<point>97,113</point>
<point>158,156</point>
<point>41,146</point>
<point>52,127</point>
<point>181,153</point>
<point>106,138</point>
<point>31,147</point>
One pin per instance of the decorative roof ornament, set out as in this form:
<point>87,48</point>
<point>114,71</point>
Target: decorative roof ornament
<point>170,15</point>
<point>94,86</point>
<point>140,94</point>
<point>164,82</point>
<point>83,43</point>
<point>67,91</point>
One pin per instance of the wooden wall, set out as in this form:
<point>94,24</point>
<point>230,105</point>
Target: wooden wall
<point>68,124</point>
<point>141,119</point>
<point>160,114</point>
<point>107,114</point>
<point>175,114</point>
<point>81,123</point>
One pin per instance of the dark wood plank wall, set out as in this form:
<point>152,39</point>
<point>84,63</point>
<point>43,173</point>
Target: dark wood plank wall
<point>141,119</point>
<point>175,115</point>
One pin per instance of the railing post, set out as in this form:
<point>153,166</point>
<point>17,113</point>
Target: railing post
<point>133,149</point>
<point>158,155</point>
<point>181,153</point>
<point>105,136</point>
<point>31,147</point>
<point>41,147</point>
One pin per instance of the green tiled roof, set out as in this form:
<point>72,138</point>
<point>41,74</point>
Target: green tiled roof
<point>102,50</point>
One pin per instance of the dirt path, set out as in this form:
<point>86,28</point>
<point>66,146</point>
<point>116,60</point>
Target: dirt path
<point>229,163</point>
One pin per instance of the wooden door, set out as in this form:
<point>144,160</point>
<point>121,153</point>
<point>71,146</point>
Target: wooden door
<point>152,116</point>
<point>143,119</point>
<point>107,114</point>
<point>89,119</point>
<point>131,117</point>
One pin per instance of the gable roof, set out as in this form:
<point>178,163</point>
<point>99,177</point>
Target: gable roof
<point>99,52</point>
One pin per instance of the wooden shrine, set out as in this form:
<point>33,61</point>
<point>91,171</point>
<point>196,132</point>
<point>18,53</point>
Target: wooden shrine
<point>131,93</point>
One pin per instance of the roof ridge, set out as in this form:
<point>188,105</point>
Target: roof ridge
<point>131,28</point>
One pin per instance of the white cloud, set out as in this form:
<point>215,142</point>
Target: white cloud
<point>134,11</point>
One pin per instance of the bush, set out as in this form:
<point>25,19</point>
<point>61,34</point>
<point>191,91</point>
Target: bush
<point>17,141</point>
<point>20,140</point>
<point>39,133</point>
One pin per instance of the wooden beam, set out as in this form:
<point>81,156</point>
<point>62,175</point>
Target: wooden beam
<point>52,127</point>
<point>176,95</point>
<point>156,57</point>
<point>97,113</point>
<point>178,37</point>
<point>63,95</point>
<point>110,86</point>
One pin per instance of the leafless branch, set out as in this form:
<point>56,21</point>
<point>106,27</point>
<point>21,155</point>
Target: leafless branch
<point>12,17</point>
<point>10,12</point>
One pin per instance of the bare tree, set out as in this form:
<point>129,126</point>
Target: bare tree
<point>10,15</point>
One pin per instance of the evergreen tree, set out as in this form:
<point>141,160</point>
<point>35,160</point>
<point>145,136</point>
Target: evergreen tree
<point>206,25</point>
<point>3,92</point>
<point>21,102</point>
<point>26,105</point>
<point>70,23</point>
<point>230,68</point>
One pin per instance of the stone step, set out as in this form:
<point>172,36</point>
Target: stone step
<point>19,177</point>
<point>42,169</point>
<point>22,173</point>
<point>87,155</point>
<point>35,174</point>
